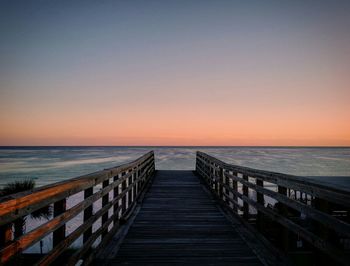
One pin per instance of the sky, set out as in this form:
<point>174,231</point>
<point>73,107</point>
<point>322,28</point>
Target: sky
<point>175,73</point>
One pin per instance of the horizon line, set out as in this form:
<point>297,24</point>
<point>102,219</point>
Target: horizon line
<point>180,146</point>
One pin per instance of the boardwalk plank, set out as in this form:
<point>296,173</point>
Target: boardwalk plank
<point>179,224</point>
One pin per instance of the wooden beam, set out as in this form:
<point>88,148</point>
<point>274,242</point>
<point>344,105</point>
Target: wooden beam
<point>245,204</point>
<point>339,195</point>
<point>105,200</point>
<point>260,200</point>
<point>24,203</point>
<point>59,234</point>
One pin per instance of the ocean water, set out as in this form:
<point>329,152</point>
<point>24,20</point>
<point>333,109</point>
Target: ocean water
<point>51,164</point>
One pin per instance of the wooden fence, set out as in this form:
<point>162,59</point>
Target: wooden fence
<point>118,188</point>
<point>304,219</point>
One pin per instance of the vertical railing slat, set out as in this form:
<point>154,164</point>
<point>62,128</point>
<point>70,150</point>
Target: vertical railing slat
<point>116,205</point>
<point>260,200</point>
<point>245,204</point>
<point>282,209</point>
<point>124,186</point>
<point>297,212</point>
<point>130,190</point>
<point>59,234</point>
<point>105,200</point>
<point>88,213</point>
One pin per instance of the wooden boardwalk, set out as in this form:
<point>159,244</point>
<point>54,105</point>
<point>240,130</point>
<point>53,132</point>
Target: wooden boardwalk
<point>180,224</point>
<point>184,219</point>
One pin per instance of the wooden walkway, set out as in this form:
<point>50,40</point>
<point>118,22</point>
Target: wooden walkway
<point>180,224</point>
<point>283,218</point>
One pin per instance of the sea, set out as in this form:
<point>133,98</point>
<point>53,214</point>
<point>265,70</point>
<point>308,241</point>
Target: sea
<point>47,165</point>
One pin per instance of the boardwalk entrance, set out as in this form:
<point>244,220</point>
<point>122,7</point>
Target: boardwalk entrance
<point>180,224</point>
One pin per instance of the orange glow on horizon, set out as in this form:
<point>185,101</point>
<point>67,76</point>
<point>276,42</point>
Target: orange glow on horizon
<point>186,127</point>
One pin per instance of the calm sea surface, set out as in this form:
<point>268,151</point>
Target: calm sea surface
<point>51,164</point>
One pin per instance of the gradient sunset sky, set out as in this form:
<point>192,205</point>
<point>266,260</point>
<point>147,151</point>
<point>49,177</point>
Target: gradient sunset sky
<point>175,73</point>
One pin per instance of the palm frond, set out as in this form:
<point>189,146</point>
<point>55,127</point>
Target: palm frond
<point>17,186</point>
<point>45,212</point>
<point>20,186</point>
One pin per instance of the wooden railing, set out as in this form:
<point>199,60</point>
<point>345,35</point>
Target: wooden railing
<point>118,188</point>
<point>305,219</point>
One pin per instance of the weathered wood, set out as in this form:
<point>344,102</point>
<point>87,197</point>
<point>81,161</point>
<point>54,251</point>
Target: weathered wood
<point>88,213</point>
<point>245,204</point>
<point>43,230</point>
<point>5,234</point>
<point>334,252</point>
<point>133,179</point>
<point>186,218</point>
<point>63,245</point>
<point>318,242</point>
<point>282,209</point>
<point>21,204</point>
<point>129,183</point>
<point>86,247</point>
<point>179,223</point>
<point>288,211</point>
<point>227,183</point>
<point>235,188</point>
<point>59,234</point>
<point>54,253</point>
<point>105,200</point>
<point>116,208</point>
<point>124,199</point>
<point>234,202</point>
<point>332,194</point>
<point>326,219</point>
<point>260,200</point>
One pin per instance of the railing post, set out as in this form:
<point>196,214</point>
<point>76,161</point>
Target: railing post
<point>227,184</point>
<point>321,230</point>
<point>5,234</point>
<point>116,205</point>
<point>283,211</point>
<point>260,200</point>
<point>153,165</point>
<point>212,177</point>
<point>130,190</point>
<point>134,195</point>
<point>220,179</point>
<point>142,180</point>
<point>217,177</point>
<point>88,213</point>
<point>199,167</point>
<point>59,234</point>
<point>208,173</point>
<point>105,200</point>
<point>124,196</point>
<point>234,196</point>
<point>139,181</point>
<point>245,204</point>
<point>55,196</point>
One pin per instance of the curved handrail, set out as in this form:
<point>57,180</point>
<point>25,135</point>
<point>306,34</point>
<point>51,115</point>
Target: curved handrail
<point>294,200</point>
<point>126,183</point>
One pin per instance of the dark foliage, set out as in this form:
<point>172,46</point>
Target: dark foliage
<point>21,186</point>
